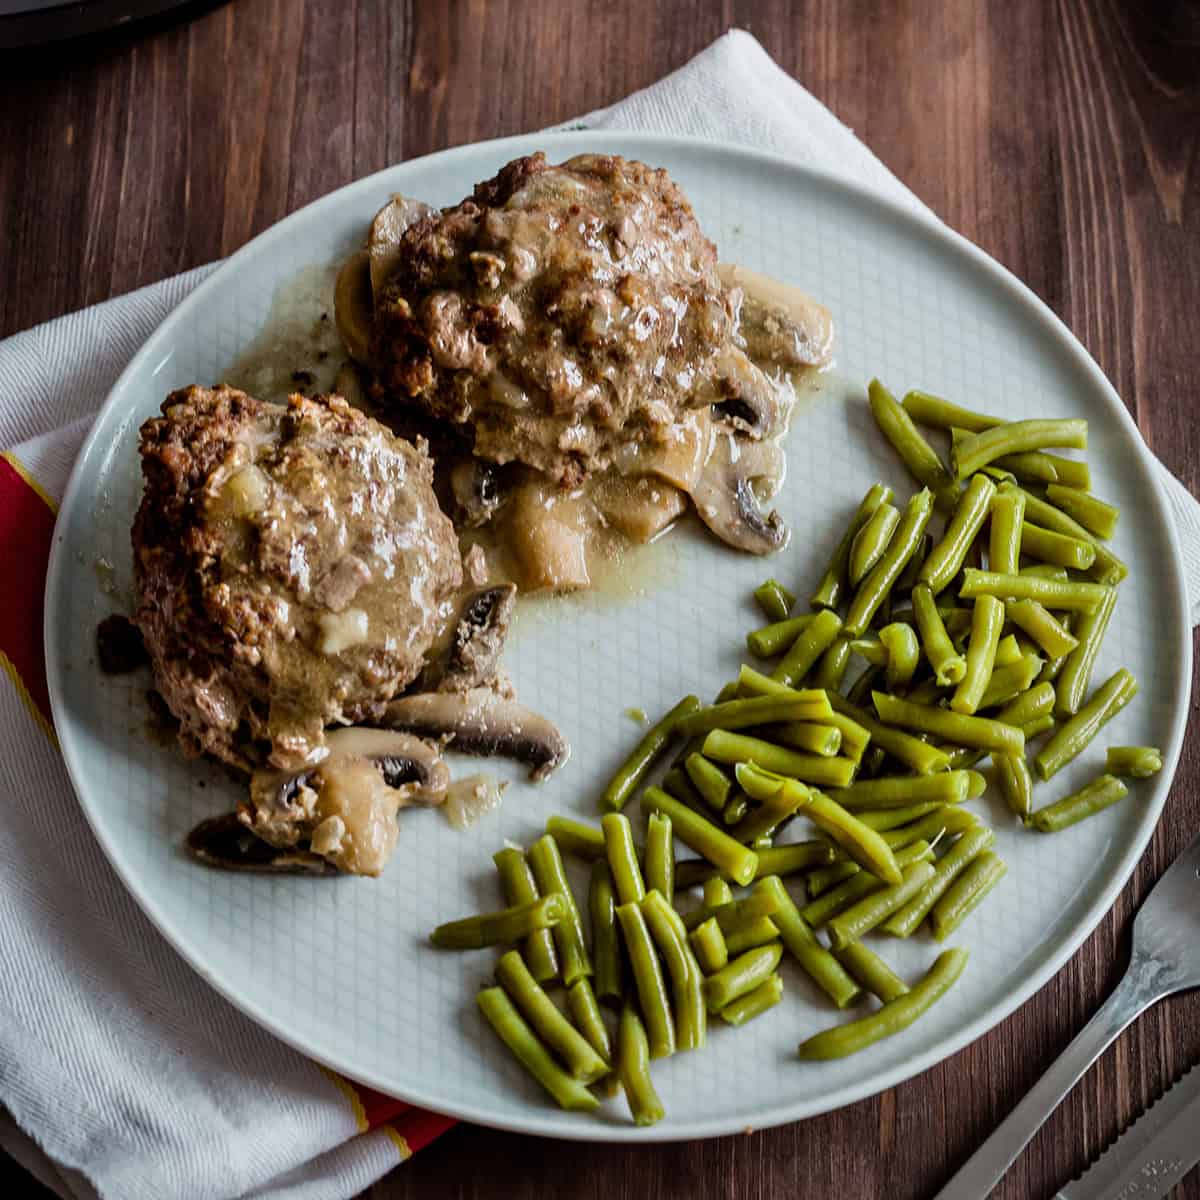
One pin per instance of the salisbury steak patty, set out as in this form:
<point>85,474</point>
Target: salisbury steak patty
<point>558,313</point>
<point>289,564</point>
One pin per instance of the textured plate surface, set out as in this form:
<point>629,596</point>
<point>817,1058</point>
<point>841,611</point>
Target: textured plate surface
<point>342,969</point>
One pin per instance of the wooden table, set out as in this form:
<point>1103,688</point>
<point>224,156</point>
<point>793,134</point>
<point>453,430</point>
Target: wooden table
<point>1063,136</point>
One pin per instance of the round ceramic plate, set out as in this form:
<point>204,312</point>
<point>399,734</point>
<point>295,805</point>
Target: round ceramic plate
<point>342,969</point>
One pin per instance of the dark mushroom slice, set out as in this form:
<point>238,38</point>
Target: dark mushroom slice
<point>750,400</point>
<point>476,490</point>
<point>482,722</point>
<point>728,500</point>
<point>478,639</point>
<point>226,843</point>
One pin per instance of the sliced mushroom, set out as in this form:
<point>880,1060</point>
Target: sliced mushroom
<point>471,658</point>
<point>225,842</point>
<point>547,530</point>
<point>383,243</point>
<point>475,486</point>
<point>354,308</point>
<point>639,508</point>
<point>481,722</point>
<point>779,323</point>
<point>750,400</point>
<point>728,501</point>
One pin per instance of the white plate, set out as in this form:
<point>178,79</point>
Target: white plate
<point>342,969</point>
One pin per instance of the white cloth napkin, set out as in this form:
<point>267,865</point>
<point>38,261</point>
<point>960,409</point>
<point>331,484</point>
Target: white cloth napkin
<point>124,1075</point>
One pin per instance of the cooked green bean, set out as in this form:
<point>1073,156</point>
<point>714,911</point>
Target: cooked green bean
<point>502,928</point>
<point>515,1033</point>
<point>755,1003</point>
<point>946,558</point>
<point>686,977</point>
<point>1095,515</point>
<point>907,579</point>
<point>1056,548</point>
<point>915,452</point>
<point>735,810</point>
<point>1076,673</point>
<point>517,883</point>
<point>1037,726</point>
<point>551,878</point>
<point>774,860</point>
<point>1101,793</point>
<point>1039,467</point>
<point>1044,570</point>
<point>622,858</point>
<point>703,836</point>
<point>575,1051</point>
<point>818,882</point>
<point>832,587</point>
<point>660,856</point>
<point>606,949</point>
<point>1071,738</point>
<point>716,892</point>
<point>871,971</point>
<point>948,665</point>
<point>987,622</point>
<point>870,648</point>
<point>962,730</point>
<point>1138,762</point>
<point>1009,682</point>
<point>1016,437</point>
<point>713,785</point>
<point>708,944</point>
<point>874,589</point>
<point>1082,597</point>
<point>884,819</point>
<point>856,887</point>
<point>788,705</point>
<point>589,1020</point>
<point>676,784</point>
<point>633,1066</point>
<point>947,787</point>
<point>1107,568</point>
<point>903,747</point>
<point>892,1017</point>
<point>775,808</point>
<point>965,894</point>
<point>636,767</point>
<point>576,837</point>
<point>1004,537</point>
<point>730,913</point>
<point>947,869</point>
<point>932,410</point>
<point>1008,651</point>
<point>1016,783</point>
<point>741,975</point>
<point>774,600</point>
<point>855,738</point>
<point>773,639</point>
<point>871,541</point>
<point>1037,621</point>
<point>648,980</point>
<point>860,690</point>
<point>816,738</point>
<point>809,645</point>
<point>758,932</point>
<point>859,919</point>
<point>946,822</point>
<point>963,758</point>
<point>903,653</point>
<point>811,768</point>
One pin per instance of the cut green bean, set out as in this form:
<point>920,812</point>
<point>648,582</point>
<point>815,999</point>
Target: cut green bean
<point>944,823</point>
<point>1137,762</point>
<point>1107,568</point>
<point>502,928</point>
<point>892,1017</point>
<point>775,808</point>
<point>871,971</point>
<point>686,978</point>
<point>809,645</point>
<point>1044,570</point>
<point>606,948</point>
<point>907,579</point>
<point>811,768</point>
<point>874,589</point>
<point>903,747</point>
<point>1008,651</point>
<point>947,787</point>
<point>716,892</point>
<point>1071,738</point>
<point>759,932</point>
<point>903,653</point>
<point>1056,548</point>
<point>962,730</point>
<point>818,882</point>
<point>859,919</point>
<point>948,665</point>
<point>676,784</point>
<point>1098,795</point>
<point>871,649</point>
<point>855,739</point>
<point>1004,536</point>
<point>775,638</point>
<point>823,739</point>
<point>740,976</point>
<point>633,1066</point>
<point>543,1015</point>
<point>551,878</point>
<point>987,622</point>
<point>830,670</point>
<point>1009,682</point>
<point>622,858</point>
<point>857,887</point>
<point>773,860</point>
<point>1082,597</point>
<point>1037,727</point>
<point>576,837</point>
<point>787,705</point>
<point>709,780</point>
<point>860,690</point>
<point>774,600</point>
<point>927,409</point>
<point>883,819</point>
<point>517,883</point>
<point>703,836</point>
<point>515,1033</point>
<point>966,893</point>
<point>871,541</point>
<point>648,980</point>
<point>1076,673</point>
<point>915,452</point>
<point>947,869</point>
<point>730,913</point>
<point>1016,783</point>
<point>1038,467</point>
<point>708,944</point>
<point>755,1003</point>
<point>1016,437</point>
<point>588,1019</point>
<point>946,558</point>
<point>1037,621</point>
<point>660,856</point>
<point>735,810</point>
<point>635,768</point>
<point>1095,515</point>
<point>832,588</point>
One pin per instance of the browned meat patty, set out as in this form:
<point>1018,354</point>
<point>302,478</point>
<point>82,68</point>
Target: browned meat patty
<point>560,312</point>
<point>290,565</point>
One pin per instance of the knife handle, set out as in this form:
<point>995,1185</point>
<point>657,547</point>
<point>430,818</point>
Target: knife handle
<point>1145,982</point>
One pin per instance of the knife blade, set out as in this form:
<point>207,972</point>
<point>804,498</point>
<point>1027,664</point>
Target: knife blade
<point>1152,1155</point>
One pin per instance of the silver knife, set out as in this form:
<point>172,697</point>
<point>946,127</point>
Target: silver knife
<point>1152,1155</point>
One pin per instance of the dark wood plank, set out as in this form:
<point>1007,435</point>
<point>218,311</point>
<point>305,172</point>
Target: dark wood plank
<point>1061,135</point>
